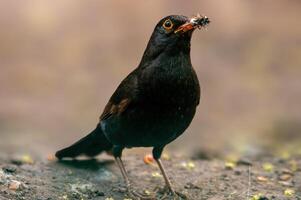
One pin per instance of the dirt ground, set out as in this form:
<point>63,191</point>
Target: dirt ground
<point>22,177</point>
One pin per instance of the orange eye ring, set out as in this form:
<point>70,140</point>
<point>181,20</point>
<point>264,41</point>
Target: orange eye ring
<point>168,24</point>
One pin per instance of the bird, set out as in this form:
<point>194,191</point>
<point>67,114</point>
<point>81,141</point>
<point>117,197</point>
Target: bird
<point>154,104</point>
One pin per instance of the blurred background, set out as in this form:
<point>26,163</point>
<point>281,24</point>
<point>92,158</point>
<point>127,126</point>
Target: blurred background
<point>61,61</point>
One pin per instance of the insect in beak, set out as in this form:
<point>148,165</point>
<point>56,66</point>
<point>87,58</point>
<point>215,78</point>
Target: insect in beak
<point>193,23</point>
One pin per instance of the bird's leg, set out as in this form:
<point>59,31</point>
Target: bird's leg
<point>166,179</point>
<point>133,194</point>
<point>157,151</point>
<point>123,172</point>
<point>172,192</point>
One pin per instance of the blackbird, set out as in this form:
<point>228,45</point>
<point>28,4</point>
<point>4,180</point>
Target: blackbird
<point>154,104</point>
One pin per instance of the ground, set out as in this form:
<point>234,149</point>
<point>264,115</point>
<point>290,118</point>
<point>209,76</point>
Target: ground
<point>22,177</point>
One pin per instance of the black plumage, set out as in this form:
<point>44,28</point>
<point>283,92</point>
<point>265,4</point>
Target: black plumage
<point>155,103</point>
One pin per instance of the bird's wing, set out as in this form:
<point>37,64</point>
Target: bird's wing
<point>114,109</point>
<point>124,95</point>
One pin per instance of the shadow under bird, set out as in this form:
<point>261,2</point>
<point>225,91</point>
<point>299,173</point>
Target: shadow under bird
<point>154,104</point>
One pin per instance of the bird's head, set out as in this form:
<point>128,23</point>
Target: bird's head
<point>172,35</point>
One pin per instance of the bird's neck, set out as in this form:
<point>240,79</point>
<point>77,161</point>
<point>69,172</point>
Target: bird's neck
<point>155,52</point>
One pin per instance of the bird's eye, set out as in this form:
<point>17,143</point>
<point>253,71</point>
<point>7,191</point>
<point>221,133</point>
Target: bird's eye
<point>168,24</point>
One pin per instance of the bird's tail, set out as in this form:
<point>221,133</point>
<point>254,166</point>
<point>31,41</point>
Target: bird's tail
<point>91,145</point>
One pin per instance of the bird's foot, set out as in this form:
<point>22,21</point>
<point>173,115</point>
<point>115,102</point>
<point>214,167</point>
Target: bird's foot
<point>168,193</point>
<point>133,194</point>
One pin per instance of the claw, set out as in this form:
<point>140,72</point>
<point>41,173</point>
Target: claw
<point>137,196</point>
<point>171,194</point>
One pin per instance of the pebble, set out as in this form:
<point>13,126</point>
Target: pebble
<point>147,192</point>
<point>99,193</point>
<point>191,186</point>
<point>263,198</point>
<point>86,189</point>
<point>14,185</point>
<point>259,197</point>
<point>2,177</point>
<point>156,174</point>
<point>268,167</point>
<point>9,169</point>
<point>237,172</point>
<point>285,177</point>
<point>244,161</point>
<point>262,179</point>
<point>230,165</point>
<point>286,183</point>
<point>289,192</point>
<point>287,171</point>
<point>20,160</point>
<point>188,165</point>
<point>16,161</point>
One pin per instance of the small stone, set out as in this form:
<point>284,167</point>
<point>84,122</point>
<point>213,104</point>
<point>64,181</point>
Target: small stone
<point>237,172</point>
<point>1,174</point>
<point>16,161</point>
<point>287,171</point>
<point>243,161</point>
<point>230,165</point>
<point>203,155</point>
<point>268,167</point>
<point>286,183</point>
<point>65,197</point>
<point>99,193</point>
<point>9,169</point>
<point>262,179</point>
<point>75,195</point>
<point>156,174</point>
<point>188,165</point>
<point>120,189</point>
<point>285,177</point>
<point>289,192</point>
<point>27,159</point>
<point>258,197</point>
<point>191,186</point>
<point>263,198</point>
<point>2,177</point>
<point>147,192</point>
<point>14,185</point>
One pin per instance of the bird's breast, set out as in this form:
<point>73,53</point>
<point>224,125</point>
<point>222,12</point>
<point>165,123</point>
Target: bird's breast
<point>172,86</point>
<point>167,96</point>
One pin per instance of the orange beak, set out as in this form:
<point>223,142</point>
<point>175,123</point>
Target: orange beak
<point>193,23</point>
